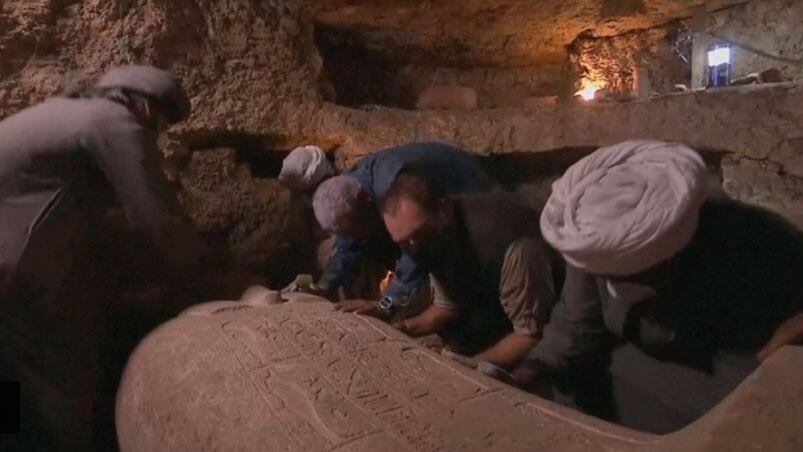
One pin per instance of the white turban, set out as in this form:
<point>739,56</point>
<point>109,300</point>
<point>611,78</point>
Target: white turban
<point>627,207</point>
<point>304,168</point>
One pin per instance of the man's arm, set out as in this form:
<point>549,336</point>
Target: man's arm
<point>527,294</point>
<point>576,328</point>
<point>341,266</point>
<point>509,351</point>
<point>410,276</point>
<point>432,320</point>
<point>789,333</point>
<point>127,154</point>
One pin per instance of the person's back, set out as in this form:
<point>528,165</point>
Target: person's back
<point>456,169</point>
<point>739,278</point>
<point>44,163</point>
<point>62,162</point>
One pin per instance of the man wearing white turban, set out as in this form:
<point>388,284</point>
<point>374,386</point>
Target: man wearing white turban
<point>668,295</point>
<point>305,168</point>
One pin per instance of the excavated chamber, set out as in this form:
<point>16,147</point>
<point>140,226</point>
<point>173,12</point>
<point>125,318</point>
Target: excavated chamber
<point>257,376</point>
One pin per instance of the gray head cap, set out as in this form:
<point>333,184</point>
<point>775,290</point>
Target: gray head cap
<point>334,201</point>
<point>152,83</point>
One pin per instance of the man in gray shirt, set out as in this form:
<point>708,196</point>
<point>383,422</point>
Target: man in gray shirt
<point>56,160</point>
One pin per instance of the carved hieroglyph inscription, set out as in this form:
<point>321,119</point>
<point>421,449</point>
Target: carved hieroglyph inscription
<point>297,376</point>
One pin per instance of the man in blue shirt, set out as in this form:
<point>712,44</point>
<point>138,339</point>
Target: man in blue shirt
<point>346,206</point>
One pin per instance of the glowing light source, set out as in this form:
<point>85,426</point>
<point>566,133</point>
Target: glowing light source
<point>589,89</point>
<point>718,56</point>
<point>385,283</point>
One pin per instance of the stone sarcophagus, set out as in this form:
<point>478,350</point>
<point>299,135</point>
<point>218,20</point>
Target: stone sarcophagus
<point>262,374</point>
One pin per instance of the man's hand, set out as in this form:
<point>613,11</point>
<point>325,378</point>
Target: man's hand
<point>464,360</point>
<point>363,307</point>
<point>401,325</point>
<point>304,283</point>
<point>531,376</point>
<point>509,352</point>
<point>432,342</point>
<point>790,332</point>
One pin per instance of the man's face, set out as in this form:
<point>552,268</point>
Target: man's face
<point>412,227</point>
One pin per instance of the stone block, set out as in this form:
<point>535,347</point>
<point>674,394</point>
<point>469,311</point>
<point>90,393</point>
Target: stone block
<point>447,98</point>
<point>540,102</point>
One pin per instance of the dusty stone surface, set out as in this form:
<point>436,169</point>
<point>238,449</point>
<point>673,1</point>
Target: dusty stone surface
<point>255,75</point>
<point>766,34</point>
<point>447,98</point>
<point>297,376</point>
<point>256,218</point>
<point>761,127</point>
<point>612,62</point>
<point>249,67</point>
<point>765,183</point>
<point>245,62</point>
<point>769,26</point>
<point>363,76</point>
<point>759,122</point>
<point>491,33</point>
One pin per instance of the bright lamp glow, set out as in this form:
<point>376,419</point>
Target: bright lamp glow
<point>720,55</point>
<point>589,89</point>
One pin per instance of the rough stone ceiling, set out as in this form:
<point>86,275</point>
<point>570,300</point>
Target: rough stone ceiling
<point>492,32</point>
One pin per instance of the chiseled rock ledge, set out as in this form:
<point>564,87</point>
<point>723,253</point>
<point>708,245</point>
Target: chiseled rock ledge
<point>254,376</point>
<point>757,121</point>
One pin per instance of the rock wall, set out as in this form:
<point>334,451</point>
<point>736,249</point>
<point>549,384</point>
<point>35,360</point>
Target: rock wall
<point>495,87</point>
<point>760,123</point>
<point>257,81</point>
<point>612,61</point>
<point>361,75</point>
<point>255,217</point>
<point>250,68</point>
<point>767,33</point>
<point>246,63</point>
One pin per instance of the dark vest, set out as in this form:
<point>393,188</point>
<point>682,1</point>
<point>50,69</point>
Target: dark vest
<point>485,227</point>
<point>738,279</point>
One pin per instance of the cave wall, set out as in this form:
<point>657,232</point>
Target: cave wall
<point>361,75</point>
<point>772,26</point>
<point>766,27</point>
<point>249,66</point>
<point>495,87</point>
<point>612,62</point>
<point>395,86</point>
<point>759,128</point>
<point>258,83</point>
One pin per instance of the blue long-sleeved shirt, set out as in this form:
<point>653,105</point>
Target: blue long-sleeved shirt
<point>457,171</point>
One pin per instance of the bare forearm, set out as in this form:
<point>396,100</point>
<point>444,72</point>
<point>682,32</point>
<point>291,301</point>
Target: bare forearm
<point>432,320</point>
<point>508,352</point>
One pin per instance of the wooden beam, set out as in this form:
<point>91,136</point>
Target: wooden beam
<point>699,48</point>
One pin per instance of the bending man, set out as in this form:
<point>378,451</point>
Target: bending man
<point>62,160</point>
<point>680,292</point>
<point>347,206</point>
<point>493,276</point>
